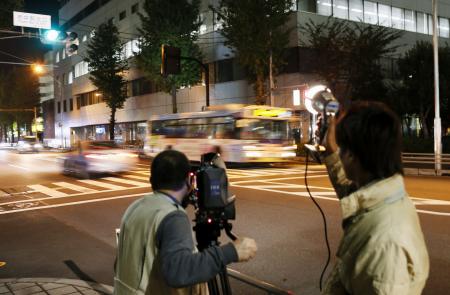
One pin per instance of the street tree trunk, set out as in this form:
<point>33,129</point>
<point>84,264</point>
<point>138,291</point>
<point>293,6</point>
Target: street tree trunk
<point>173,93</point>
<point>259,89</point>
<point>112,123</point>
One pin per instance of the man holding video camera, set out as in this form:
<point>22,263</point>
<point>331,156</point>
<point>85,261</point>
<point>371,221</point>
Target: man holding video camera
<point>156,252</point>
<point>382,250</point>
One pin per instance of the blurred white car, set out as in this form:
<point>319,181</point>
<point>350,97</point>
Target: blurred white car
<point>28,144</point>
<point>95,157</point>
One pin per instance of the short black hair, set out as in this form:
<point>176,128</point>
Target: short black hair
<point>169,170</point>
<point>372,132</point>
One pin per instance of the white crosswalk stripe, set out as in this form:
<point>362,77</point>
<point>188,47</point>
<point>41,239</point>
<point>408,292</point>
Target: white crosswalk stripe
<point>48,191</point>
<point>126,181</point>
<point>75,187</point>
<point>102,184</point>
<point>137,177</point>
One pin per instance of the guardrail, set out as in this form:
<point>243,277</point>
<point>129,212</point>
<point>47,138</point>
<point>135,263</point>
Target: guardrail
<point>261,285</point>
<point>424,164</point>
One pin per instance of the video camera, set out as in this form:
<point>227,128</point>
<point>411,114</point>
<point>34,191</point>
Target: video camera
<point>214,204</point>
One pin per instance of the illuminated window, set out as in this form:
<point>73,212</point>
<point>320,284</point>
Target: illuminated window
<point>356,10</point>
<point>340,9</point>
<point>444,27</point>
<point>370,12</point>
<point>430,24</point>
<point>398,18</point>
<point>324,7</point>
<point>57,56</point>
<point>422,23</point>
<point>410,20</point>
<point>384,15</point>
<point>70,78</point>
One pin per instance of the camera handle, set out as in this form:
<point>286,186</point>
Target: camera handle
<point>228,227</point>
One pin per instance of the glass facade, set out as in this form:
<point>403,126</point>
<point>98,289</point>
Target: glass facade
<point>375,13</point>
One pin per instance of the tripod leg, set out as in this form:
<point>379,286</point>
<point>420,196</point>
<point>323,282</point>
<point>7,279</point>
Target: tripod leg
<point>225,283</point>
<point>213,287</point>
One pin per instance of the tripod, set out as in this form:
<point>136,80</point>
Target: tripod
<point>207,234</point>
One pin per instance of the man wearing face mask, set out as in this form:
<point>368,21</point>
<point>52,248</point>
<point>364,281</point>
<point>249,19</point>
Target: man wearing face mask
<point>156,251</point>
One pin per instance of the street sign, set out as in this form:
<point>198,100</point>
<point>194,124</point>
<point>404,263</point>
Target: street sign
<point>32,20</point>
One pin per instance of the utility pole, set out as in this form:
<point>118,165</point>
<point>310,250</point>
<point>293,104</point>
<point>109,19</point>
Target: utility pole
<point>272,101</point>
<point>437,118</point>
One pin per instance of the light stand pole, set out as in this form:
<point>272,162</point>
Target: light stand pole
<point>437,119</point>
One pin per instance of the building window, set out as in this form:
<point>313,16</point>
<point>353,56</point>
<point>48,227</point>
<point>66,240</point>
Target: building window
<point>398,18</point>
<point>340,9</point>
<point>84,39</point>
<point>64,106</point>
<point>122,15</point>
<point>57,56</point>
<point>134,8</point>
<point>63,54</point>
<point>430,25</point>
<point>70,78</point>
<point>58,107</point>
<point>356,10</point>
<point>370,12</point>
<point>78,102</point>
<point>324,7</point>
<point>70,104</point>
<point>444,27</point>
<point>422,23</point>
<point>410,20</point>
<point>384,15</point>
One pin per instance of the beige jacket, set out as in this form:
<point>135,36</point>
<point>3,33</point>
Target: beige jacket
<point>383,249</point>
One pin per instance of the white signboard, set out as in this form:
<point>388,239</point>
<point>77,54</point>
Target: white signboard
<point>32,20</point>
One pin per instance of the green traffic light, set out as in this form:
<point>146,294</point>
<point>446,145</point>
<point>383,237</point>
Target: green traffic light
<point>51,35</point>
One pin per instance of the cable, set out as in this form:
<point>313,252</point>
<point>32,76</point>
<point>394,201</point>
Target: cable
<point>324,223</point>
<point>12,55</point>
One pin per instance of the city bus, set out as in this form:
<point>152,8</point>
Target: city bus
<point>240,133</point>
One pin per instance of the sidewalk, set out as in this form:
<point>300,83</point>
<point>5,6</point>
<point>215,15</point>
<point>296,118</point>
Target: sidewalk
<point>52,286</point>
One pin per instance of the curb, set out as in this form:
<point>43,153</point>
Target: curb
<point>100,288</point>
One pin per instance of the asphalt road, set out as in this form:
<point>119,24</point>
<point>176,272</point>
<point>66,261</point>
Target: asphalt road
<point>57,226</point>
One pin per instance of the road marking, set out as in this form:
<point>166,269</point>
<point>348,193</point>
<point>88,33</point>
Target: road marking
<point>319,195</point>
<point>47,191</point>
<point>282,178</point>
<point>136,176</point>
<point>71,203</point>
<point>75,187</point>
<point>147,173</point>
<point>121,180</point>
<point>102,184</point>
<point>20,167</point>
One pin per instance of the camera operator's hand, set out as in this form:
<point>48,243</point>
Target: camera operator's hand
<point>246,248</point>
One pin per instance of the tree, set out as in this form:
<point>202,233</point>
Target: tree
<point>417,83</point>
<point>6,12</point>
<point>257,30</point>
<point>19,89</point>
<point>348,55</point>
<point>107,68</point>
<point>175,23</point>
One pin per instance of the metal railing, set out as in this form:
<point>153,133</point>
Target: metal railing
<point>425,163</point>
<point>261,285</point>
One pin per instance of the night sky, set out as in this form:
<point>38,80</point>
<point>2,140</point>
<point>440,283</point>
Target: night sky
<point>30,49</point>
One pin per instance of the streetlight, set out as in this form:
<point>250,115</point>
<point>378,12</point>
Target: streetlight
<point>437,118</point>
<point>38,69</point>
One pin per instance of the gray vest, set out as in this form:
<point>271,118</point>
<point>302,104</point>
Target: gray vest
<point>138,267</point>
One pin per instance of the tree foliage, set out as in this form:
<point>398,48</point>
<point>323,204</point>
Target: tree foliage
<point>107,68</point>
<point>255,29</point>
<point>6,12</point>
<point>175,23</point>
<point>347,56</point>
<point>417,84</point>
<point>19,89</point>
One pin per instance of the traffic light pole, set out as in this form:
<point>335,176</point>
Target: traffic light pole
<point>205,68</point>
